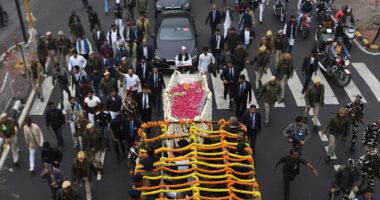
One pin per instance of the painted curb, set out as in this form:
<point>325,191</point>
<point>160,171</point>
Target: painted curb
<point>367,43</point>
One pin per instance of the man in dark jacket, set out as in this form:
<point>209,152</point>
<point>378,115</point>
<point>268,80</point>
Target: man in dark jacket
<point>42,51</point>
<point>63,46</point>
<point>103,119</point>
<point>297,133</point>
<point>95,78</point>
<point>284,72</point>
<point>314,98</point>
<point>132,126</point>
<point>241,57</point>
<point>76,30</point>
<point>54,178</point>
<point>145,50</point>
<point>241,92</point>
<point>143,69</point>
<point>309,66</point>
<point>226,58</point>
<point>270,93</point>
<point>262,60</point>
<point>246,36</point>
<point>92,17</point>
<point>93,144</point>
<point>106,85</point>
<point>62,78</point>
<point>216,44</point>
<point>369,165</point>
<point>113,103</point>
<point>229,77</point>
<point>55,118</point>
<point>50,155</point>
<point>94,62</point>
<point>337,125</point>
<point>252,120</point>
<point>281,44</point>
<point>232,40</point>
<point>83,170</point>
<point>68,193</point>
<point>98,36</point>
<point>155,84</point>
<point>347,178</point>
<point>214,18</point>
<point>71,18</point>
<point>118,131</point>
<point>145,103</point>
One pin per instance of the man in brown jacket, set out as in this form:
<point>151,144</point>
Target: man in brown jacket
<point>284,71</point>
<point>9,135</point>
<point>93,143</point>
<point>270,93</point>
<point>314,98</point>
<point>268,41</point>
<point>106,85</point>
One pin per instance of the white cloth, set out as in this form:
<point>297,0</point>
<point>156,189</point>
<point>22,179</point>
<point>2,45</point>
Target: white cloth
<point>91,118</point>
<point>218,42</point>
<point>227,23</point>
<point>80,61</point>
<point>114,114</point>
<point>204,61</point>
<point>131,81</point>
<point>31,158</point>
<point>291,39</point>
<point>262,6</point>
<point>246,37</point>
<point>93,102</point>
<point>145,51</point>
<point>113,38</point>
<point>98,34</point>
<point>183,61</point>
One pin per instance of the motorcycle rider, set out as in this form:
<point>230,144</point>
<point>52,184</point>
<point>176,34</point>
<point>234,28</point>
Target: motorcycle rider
<point>337,50</point>
<point>345,19</point>
<point>340,13</point>
<point>320,5</point>
<point>306,8</point>
<point>327,23</point>
<point>369,165</point>
<point>279,3</point>
<point>355,110</point>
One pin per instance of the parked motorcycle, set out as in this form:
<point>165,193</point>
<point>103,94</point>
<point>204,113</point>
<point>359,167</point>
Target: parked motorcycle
<point>323,8</point>
<point>280,9</point>
<point>339,69</point>
<point>324,38</point>
<point>3,17</point>
<point>349,30</point>
<point>304,26</point>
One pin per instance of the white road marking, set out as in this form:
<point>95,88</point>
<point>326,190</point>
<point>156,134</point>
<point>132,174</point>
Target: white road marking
<point>352,90</point>
<point>330,97</point>
<point>265,79</point>
<point>38,107</point>
<point>99,176</point>
<point>333,157</point>
<point>323,137</point>
<point>336,167</point>
<point>219,88</point>
<point>296,87</point>
<point>369,78</point>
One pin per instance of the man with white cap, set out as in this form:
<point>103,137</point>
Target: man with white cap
<point>270,93</point>
<point>8,134</point>
<point>183,58</point>
<point>83,170</point>
<point>93,143</point>
<point>84,46</point>
<point>51,45</point>
<point>64,46</point>
<point>67,192</point>
<point>314,98</point>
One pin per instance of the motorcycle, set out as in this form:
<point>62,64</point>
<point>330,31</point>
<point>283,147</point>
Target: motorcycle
<point>349,34</point>
<point>323,8</point>
<point>280,9</point>
<point>339,69</point>
<point>304,26</point>
<point>324,37</point>
<point>3,17</point>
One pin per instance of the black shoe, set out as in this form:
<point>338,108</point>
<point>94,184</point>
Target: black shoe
<point>261,22</point>
<point>62,106</point>
<point>266,124</point>
<point>101,171</point>
<point>224,97</point>
<point>16,164</point>
<point>315,128</point>
<point>303,91</point>
<point>282,100</point>
<point>257,91</point>
<point>327,159</point>
<point>42,99</point>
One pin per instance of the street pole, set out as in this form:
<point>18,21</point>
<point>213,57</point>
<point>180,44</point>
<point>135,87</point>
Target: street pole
<point>21,20</point>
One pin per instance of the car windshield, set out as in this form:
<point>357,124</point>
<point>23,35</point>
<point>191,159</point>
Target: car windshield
<point>175,29</point>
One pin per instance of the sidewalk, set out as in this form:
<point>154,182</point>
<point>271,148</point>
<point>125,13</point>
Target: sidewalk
<point>366,13</point>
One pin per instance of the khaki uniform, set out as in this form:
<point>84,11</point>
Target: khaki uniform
<point>284,71</point>
<point>8,132</point>
<point>270,94</point>
<point>315,98</point>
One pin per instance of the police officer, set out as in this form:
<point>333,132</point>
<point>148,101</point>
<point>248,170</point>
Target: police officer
<point>297,133</point>
<point>369,165</point>
<point>371,136</point>
<point>355,111</point>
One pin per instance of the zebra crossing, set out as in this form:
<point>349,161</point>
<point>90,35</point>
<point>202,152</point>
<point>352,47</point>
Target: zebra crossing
<point>294,84</point>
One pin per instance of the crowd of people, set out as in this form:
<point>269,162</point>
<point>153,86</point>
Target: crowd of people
<point>97,116</point>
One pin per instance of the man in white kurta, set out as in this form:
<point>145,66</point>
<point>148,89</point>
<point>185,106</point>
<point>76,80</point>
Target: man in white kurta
<point>33,138</point>
<point>204,60</point>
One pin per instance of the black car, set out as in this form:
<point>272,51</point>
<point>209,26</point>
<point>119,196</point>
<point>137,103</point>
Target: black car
<point>174,29</point>
<point>162,5</point>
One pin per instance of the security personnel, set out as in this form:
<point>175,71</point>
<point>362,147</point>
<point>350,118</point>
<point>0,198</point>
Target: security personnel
<point>369,165</point>
<point>297,133</point>
<point>284,72</point>
<point>347,178</point>
<point>355,111</point>
<point>371,136</point>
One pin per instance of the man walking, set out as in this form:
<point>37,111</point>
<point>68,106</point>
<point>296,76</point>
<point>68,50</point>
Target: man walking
<point>145,50</point>
<point>80,128</point>
<point>93,143</point>
<point>214,18</point>
<point>62,78</point>
<point>252,120</point>
<point>113,103</point>
<point>83,170</point>
<point>309,66</point>
<point>72,115</point>
<point>290,30</point>
<point>143,69</point>
<point>67,192</point>
<point>314,98</point>
<point>297,133</point>
<point>106,85</point>
<point>50,155</point>
<point>103,119</point>
<point>9,135</point>
<point>262,60</point>
<point>369,165</point>
<point>291,169</point>
<point>284,72</point>
<point>118,131</point>
<point>77,60</point>
<point>281,45</point>
<point>232,40</point>
<point>216,45</point>
<point>63,47</point>
<point>90,105</point>
<point>241,57</point>
<point>371,135</point>
<point>268,41</point>
<point>355,111</point>
<point>337,125</point>
<point>54,178</point>
<point>51,45</point>
<point>42,52</point>
<point>142,6</point>
<point>270,93</point>
<point>98,36</point>
<point>84,46</point>
<point>33,139</point>
<point>145,103</point>
<point>229,77</point>
<point>55,118</point>
<point>241,92</point>
<point>156,84</point>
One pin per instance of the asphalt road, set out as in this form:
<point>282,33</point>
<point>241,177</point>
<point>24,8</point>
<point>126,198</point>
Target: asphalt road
<point>53,16</point>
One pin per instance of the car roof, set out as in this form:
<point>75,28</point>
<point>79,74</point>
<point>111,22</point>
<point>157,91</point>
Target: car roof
<point>174,13</point>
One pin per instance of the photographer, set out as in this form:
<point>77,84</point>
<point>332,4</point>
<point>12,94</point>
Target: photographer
<point>297,133</point>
